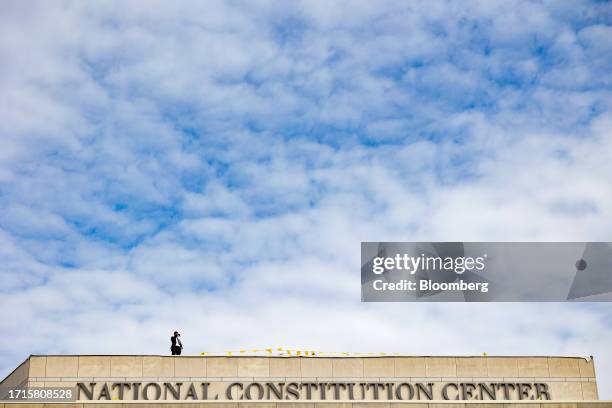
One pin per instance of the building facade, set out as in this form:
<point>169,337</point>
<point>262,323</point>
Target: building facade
<point>311,382</point>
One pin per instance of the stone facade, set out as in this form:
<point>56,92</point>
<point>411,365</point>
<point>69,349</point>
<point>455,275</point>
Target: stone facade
<point>374,379</point>
<point>114,404</point>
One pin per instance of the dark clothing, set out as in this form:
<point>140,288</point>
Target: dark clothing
<point>177,346</point>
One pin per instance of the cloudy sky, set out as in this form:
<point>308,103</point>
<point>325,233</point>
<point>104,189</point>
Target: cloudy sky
<point>213,166</point>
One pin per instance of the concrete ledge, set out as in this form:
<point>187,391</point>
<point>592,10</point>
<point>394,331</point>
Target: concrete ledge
<point>313,403</point>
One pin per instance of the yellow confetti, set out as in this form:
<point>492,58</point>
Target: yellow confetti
<point>308,353</point>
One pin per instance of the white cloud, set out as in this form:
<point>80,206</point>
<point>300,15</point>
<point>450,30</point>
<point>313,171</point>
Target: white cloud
<point>213,168</point>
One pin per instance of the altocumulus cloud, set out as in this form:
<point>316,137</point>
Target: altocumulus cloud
<point>213,167</point>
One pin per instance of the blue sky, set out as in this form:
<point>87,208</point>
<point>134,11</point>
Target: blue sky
<point>214,166</point>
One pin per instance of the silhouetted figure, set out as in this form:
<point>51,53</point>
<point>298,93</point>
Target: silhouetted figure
<point>176,346</point>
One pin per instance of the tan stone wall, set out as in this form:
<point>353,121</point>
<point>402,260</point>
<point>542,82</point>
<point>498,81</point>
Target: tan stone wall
<point>18,378</point>
<point>568,378</point>
<point>298,367</point>
<point>437,404</point>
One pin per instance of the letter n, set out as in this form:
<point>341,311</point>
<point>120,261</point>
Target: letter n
<point>88,392</point>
